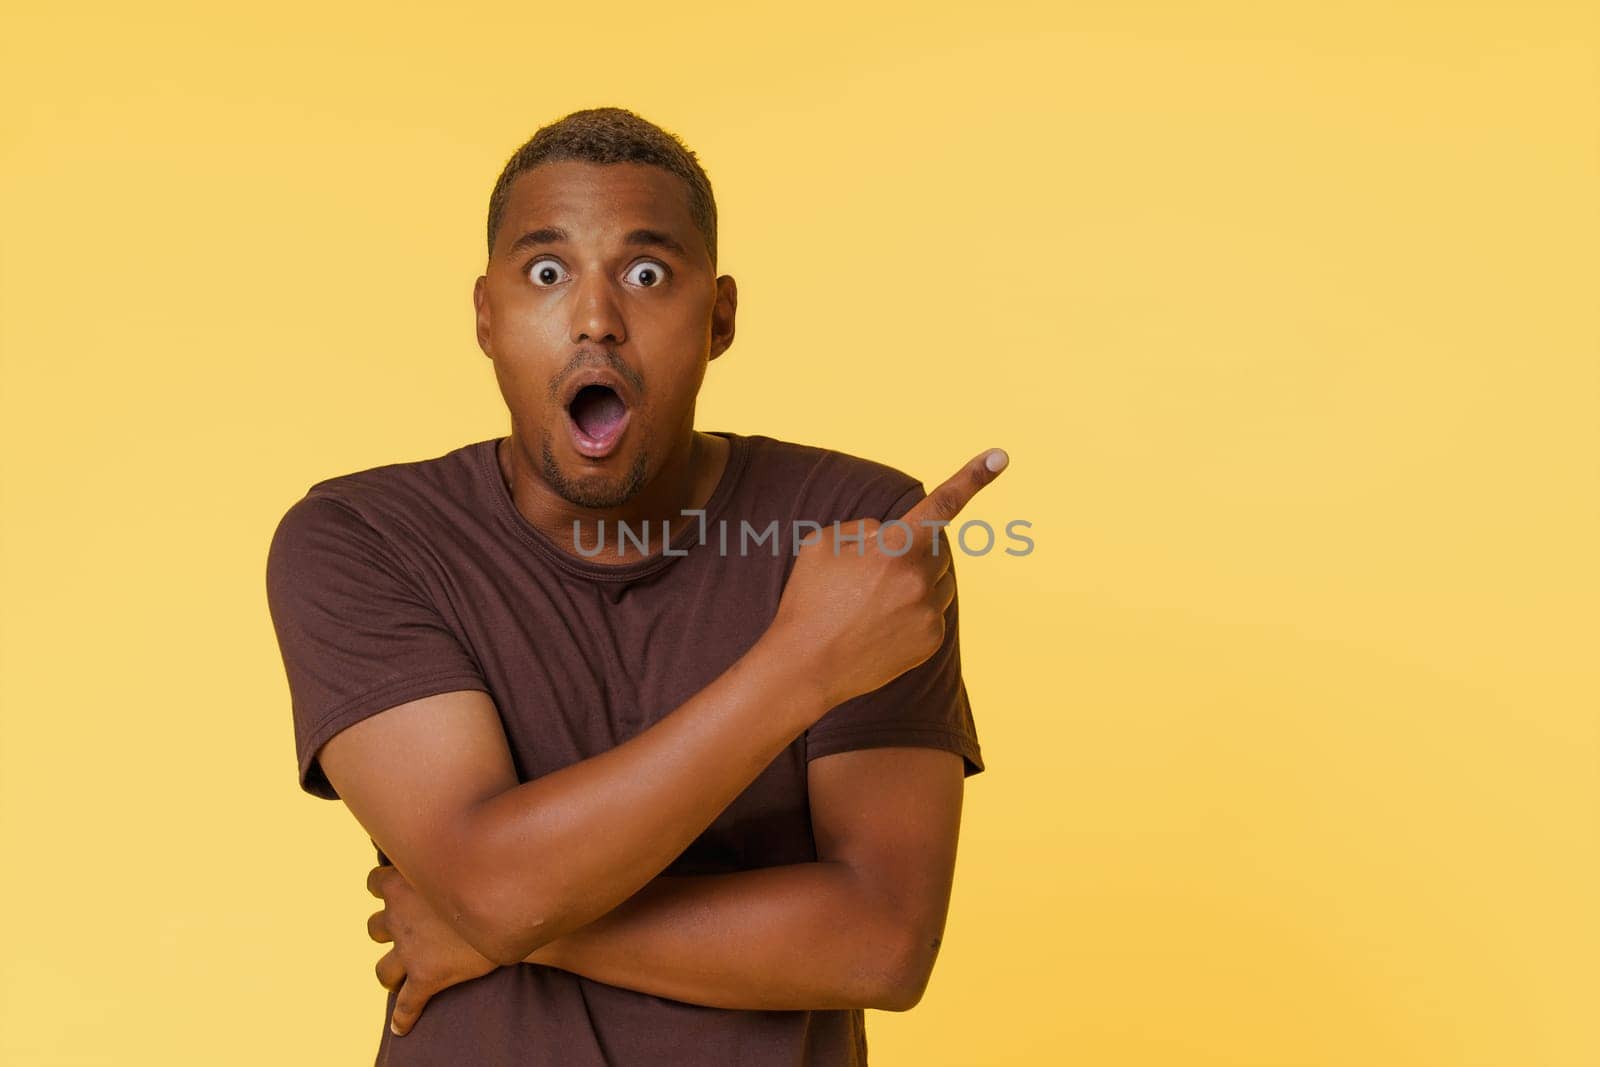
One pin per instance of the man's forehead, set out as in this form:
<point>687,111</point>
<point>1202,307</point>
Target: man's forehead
<point>594,199</point>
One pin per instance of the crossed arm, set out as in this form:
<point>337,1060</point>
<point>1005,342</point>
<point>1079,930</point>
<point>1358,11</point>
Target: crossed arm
<point>433,784</point>
<point>860,927</point>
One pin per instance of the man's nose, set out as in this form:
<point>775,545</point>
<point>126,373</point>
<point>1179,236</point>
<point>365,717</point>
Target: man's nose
<point>596,316</point>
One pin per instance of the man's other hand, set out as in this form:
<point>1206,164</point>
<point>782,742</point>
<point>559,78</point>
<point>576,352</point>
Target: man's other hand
<point>428,955</point>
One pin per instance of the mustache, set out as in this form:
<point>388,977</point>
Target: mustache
<point>597,357</point>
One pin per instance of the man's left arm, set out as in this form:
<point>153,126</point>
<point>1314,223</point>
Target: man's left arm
<point>859,928</point>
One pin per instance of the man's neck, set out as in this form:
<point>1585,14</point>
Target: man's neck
<point>686,481</point>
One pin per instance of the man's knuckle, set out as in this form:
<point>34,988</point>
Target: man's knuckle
<point>910,583</point>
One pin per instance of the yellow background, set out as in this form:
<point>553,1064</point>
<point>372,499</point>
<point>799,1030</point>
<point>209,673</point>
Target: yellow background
<point>1286,314</point>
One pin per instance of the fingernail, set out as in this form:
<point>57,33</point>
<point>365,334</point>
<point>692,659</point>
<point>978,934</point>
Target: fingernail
<point>393,1031</point>
<point>996,461</point>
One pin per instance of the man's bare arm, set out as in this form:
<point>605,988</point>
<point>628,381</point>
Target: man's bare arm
<point>514,866</point>
<point>860,928</point>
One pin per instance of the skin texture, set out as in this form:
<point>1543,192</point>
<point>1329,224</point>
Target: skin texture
<point>432,781</point>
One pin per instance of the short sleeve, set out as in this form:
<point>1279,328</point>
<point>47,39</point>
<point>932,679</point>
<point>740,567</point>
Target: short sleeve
<point>357,633</point>
<point>926,706</point>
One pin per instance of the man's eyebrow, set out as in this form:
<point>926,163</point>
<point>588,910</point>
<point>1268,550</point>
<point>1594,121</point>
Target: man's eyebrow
<point>549,235</point>
<point>657,239</point>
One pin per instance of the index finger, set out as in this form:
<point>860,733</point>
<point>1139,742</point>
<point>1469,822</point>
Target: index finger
<point>947,499</point>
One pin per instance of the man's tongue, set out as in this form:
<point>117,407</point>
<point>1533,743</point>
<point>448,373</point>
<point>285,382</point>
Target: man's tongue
<point>597,411</point>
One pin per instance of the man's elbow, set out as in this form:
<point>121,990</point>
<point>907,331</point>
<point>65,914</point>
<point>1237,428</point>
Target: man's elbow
<point>505,950</point>
<point>505,918</point>
<point>906,977</point>
<point>903,991</point>
<point>496,939</point>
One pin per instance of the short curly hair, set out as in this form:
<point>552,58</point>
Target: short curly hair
<point>610,135</point>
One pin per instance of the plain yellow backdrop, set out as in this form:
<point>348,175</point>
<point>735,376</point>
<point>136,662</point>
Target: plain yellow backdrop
<point>1285,312</point>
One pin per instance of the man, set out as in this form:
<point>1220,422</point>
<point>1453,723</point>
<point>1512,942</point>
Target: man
<point>662,768</point>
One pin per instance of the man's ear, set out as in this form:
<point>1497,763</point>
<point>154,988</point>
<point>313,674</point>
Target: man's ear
<point>480,305</point>
<point>722,315</point>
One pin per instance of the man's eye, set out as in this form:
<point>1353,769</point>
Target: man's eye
<point>546,272</point>
<point>647,275</point>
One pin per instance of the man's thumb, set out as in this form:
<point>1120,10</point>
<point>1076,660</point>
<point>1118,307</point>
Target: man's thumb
<point>407,1007</point>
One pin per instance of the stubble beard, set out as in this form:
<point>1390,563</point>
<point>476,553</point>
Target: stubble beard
<point>593,492</point>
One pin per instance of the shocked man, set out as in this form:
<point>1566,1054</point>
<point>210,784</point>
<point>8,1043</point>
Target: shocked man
<point>660,734</point>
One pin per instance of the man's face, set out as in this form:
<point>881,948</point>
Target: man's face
<point>600,310</point>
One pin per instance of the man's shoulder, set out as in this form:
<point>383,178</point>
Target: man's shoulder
<point>449,474</point>
<point>832,482</point>
<point>383,497</point>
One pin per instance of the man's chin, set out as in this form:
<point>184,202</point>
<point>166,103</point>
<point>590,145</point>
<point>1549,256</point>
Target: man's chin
<point>597,497</point>
<point>595,484</point>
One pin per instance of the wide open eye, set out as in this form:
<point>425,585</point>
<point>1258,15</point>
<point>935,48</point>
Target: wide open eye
<point>546,272</point>
<point>647,275</point>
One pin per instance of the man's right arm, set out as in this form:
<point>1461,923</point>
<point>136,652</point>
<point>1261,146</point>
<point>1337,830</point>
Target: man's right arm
<point>515,866</point>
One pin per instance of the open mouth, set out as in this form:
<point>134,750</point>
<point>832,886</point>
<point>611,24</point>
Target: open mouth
<point>598,416</point>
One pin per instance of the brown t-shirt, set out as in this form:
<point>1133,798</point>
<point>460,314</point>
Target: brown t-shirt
<point>411,579</point>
